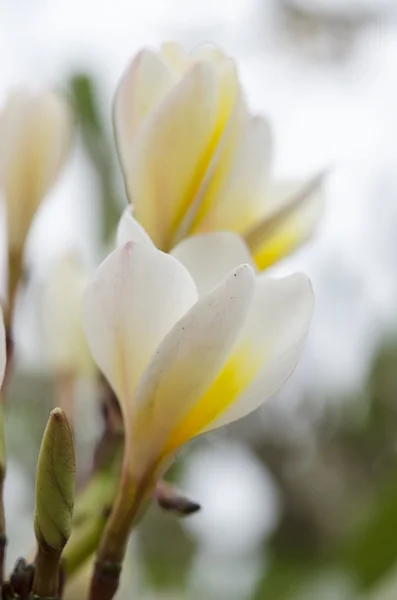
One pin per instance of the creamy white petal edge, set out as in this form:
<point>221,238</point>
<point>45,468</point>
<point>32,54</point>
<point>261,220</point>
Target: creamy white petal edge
<point>136,296</point>
<point>276,328</point>
<point>185,364</point>
<point>129,230</point>
<point>209,257</point>
<point>200,380</point>
<point>143,85</point>
<point>3,351</point>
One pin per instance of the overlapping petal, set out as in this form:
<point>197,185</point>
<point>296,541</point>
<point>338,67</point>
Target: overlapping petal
<point>186,362</point>
<point>143,85</point>
<point>135,298</point>
<point>181,365</point>
<point>270,343</point>
<point>188,390</point>
<point>236,194</point>
<point>168,137</point>
<point>197,161</point>
<point>293,214</point>
<point>129,230</point>
<point>209,257</point>
<point>171,152</point>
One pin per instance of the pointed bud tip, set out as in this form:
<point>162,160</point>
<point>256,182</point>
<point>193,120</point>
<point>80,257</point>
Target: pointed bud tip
<point>58,414</point>
<point>55,482</point>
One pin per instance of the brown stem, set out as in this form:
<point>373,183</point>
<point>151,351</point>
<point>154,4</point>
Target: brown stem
<point>172,500</point>
<point>105,581</point>
<point>22,579</point>
<point>15,261</point>
<point>111,552</point>
<point>3,543</point>
<point>8,592</point>
<point>46,576</point>
<point>3,538</point>
<point>10,355</point>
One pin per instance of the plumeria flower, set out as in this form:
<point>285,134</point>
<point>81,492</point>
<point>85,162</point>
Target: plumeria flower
<point>181,364</point>
<point>35,134</point>
<point>195,160</point>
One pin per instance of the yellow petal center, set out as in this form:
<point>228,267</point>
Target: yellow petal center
<point>236,375</point>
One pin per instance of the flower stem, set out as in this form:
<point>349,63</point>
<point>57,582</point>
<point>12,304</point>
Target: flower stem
<point>112,549</point>
<point>46,576</point>
<point>15,261</point>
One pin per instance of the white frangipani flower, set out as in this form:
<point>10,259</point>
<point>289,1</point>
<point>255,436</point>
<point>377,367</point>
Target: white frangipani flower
<point>35,135</point>
<point>195,160</point>
<point>181,365</point>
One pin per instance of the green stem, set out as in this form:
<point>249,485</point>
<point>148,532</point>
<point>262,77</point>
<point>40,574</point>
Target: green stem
<point>82,545</point>
<point>111,552</point>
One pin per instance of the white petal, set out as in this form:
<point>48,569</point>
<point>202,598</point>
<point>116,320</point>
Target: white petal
<point>208,51</point>
<point>129,230</point>
<point>176,57</point>
<point>238,187</point>
<point>137,295</point>
<point>143,85</point>
<point>186,363</point>
<point>209,257</point>
<point>292,214</point>
<point>170,154</point>
<point>274,335</point>
<point>35,135</point>
<point>3,352</point>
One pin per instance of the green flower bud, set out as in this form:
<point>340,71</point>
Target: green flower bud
<point>55,482</point>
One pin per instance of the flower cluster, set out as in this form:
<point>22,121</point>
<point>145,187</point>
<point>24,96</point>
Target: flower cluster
<point>188,331</point>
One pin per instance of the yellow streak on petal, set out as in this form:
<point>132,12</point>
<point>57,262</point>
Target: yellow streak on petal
<point>236,375</point>
<point>277,246</point>
<point>228,87</point>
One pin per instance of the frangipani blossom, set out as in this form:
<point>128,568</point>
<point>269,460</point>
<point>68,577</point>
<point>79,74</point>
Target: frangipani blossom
<point>195,160</point>
<point>181,364</point>
<point>35,134</point>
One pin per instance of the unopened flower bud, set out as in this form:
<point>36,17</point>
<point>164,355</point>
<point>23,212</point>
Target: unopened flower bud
<point>35,139</point>
<point>55,482</point>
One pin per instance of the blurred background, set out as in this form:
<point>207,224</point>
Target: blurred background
<point>299,502</point>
